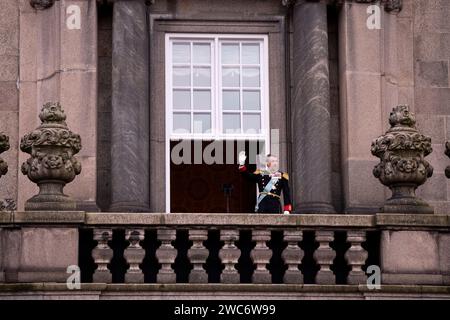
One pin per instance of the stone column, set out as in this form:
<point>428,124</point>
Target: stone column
<point>311,157</point>
<point>361,111</point>
<point>130,179</point>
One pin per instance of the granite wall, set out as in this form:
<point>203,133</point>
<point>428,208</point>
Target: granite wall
<point>9,93</point>
<point>431,30</point>
<point>407,61</point>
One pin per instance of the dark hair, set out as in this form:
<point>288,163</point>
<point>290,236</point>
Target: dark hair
<point>271,155</point>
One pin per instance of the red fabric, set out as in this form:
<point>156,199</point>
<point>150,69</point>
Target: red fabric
<point>242,168</point>
<point>288,207</point>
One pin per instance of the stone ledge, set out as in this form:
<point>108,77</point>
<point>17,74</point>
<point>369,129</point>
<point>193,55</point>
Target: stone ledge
<point>416,220</point>
<point>49,217</point>
<point>220,219</point>
<point>6,217</point>
<point>334,221</point>
<point>186,287</point>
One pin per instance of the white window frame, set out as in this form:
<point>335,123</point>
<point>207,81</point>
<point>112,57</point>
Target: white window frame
<point>216,103</point>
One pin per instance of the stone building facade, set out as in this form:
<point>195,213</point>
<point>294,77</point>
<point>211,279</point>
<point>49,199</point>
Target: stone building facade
<point>325,75</point>
<point>110,83</point>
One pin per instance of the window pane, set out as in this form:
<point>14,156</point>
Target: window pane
<point>202,77</point>
<point>250,77</point>
<point>181,123</point>
<point>202,123</point>
<point>230,77</point>
<point>230,100</point>
<point>181,53</point>
<point>202,53</point>
<point>202,99</point>
<point>251,100</point>
<point>230,53</point>
<point>231,123</point>
<point>251,123</point>
<point>181,99</point>
<point>181,76</point>
<point>250,53</point>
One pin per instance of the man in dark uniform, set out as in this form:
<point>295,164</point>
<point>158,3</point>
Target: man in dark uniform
<point>271,182</point>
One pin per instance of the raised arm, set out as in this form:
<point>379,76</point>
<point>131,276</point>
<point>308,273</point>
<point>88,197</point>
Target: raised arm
<point>253,176</point>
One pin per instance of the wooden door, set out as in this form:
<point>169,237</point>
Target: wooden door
<point>215,188</point>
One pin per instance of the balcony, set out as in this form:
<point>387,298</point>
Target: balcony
<point>223,256</point>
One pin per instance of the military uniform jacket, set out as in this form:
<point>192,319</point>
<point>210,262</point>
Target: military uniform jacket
<point>271,201</point>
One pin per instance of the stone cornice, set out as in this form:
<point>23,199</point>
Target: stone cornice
<point>389,5</point>
<point>333,221</point>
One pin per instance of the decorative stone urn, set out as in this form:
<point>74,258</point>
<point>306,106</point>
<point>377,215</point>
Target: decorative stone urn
<point>52,164</point>
<point>4,146</point>
<point>402,166</point>
<point>447,152</point>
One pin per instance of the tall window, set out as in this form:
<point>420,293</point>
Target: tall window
<point>217,86</point>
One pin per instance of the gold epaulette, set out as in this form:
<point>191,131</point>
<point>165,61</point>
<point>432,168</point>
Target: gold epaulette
<point>286,176</point>
<point>257,172</point>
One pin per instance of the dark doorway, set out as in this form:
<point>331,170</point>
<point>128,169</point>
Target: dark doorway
<point>213,188</point>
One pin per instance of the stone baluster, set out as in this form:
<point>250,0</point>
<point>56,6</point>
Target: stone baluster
<point>166,255</point>
<point>324,256</point>
<point>261,255</point>
<point>4,146</point>
<point>197,255</point>
<point>402,167</point>
<point>356,257</point>
<point>134,255</point>
<point>102,255</point>
<point>229,255</point>
<point>447,152</point>
<point>293,256</point>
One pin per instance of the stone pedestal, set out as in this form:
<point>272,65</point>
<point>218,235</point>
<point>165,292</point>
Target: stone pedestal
<point>411,257</point>
<point>37,254</point>
<point>311,116</point>
<point>130,181</point>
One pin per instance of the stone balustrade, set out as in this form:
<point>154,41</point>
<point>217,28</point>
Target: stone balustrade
<point>224,248</point>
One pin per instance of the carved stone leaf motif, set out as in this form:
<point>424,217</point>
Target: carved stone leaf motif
<point>7,205</point>
<point>4,146</point>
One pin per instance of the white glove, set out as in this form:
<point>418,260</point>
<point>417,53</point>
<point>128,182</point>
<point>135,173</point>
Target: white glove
<point>242,158</point>
<point>286,212</point>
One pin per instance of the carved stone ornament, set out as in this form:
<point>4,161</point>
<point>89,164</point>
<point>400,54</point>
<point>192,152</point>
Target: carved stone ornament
<point>41,4</point>
<point>447,152</point>
<point>402,166</point>
<point>52,164</point>
<point>389,5</point>
<point>4,146</point>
